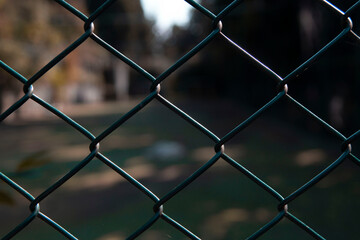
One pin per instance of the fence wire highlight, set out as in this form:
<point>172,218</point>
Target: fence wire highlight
<point>220,154</point>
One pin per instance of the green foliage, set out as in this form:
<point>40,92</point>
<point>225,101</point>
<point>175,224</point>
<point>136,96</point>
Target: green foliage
<point>6,198</point>
<point>124,26</point>
<point>31,31</point>
<point>33,161</point>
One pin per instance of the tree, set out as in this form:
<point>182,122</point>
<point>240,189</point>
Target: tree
<point>124,26</point>
<point>282,34</point>
<point>31,34</point>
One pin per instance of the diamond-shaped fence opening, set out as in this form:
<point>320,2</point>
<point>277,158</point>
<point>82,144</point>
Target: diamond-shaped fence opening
<point>102,22</point>
<point>14,207</point>
<point>214,209</point>
<point>100,198</point>
<point>338,188</point>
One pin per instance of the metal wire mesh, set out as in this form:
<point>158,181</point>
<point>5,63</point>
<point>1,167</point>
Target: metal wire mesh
<point>154,95</point>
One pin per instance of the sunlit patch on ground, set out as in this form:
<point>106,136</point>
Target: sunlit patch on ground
<point>218,225</point>
<point>310,157</point>
<point>109,178</point>
<point>70,153</point>
<point>128,142</point>
<point>112,236</point>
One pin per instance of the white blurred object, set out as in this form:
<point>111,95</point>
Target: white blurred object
<point>166,150</point>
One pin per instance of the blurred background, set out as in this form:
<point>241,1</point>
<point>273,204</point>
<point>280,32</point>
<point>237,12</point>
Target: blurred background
<point>218,87</point>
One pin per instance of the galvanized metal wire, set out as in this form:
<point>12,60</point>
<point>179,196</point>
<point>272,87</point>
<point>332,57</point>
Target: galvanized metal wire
<point>155,95</point>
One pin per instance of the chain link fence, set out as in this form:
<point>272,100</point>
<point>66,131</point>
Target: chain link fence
<point>160,202</point>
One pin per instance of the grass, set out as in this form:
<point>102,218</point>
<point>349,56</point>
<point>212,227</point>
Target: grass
<point>221,204</point>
